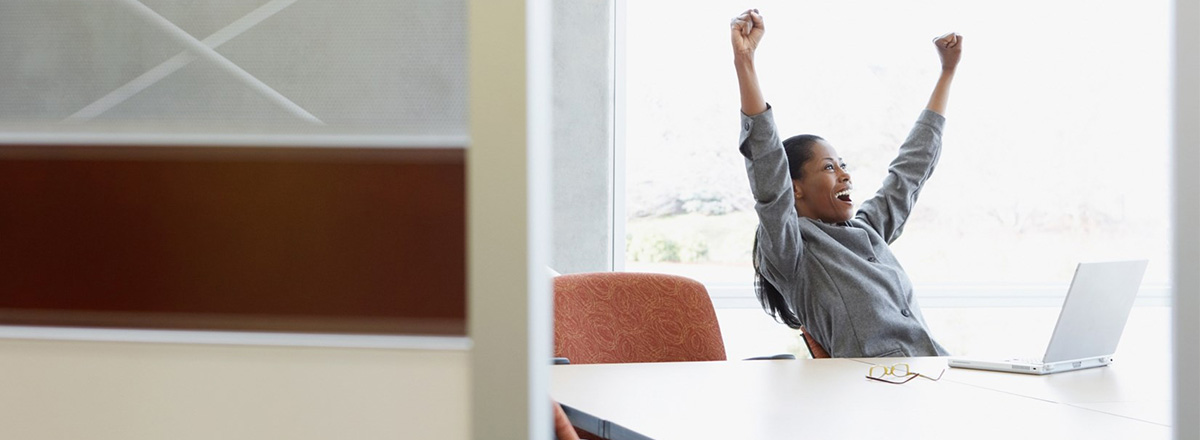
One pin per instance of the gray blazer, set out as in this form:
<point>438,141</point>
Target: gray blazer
<point>842,280</point>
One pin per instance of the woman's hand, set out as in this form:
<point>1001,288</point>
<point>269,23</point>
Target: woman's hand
<point>949,49</point>
<point>746,30</point>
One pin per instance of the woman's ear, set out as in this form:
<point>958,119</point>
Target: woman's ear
<point>797,193</point>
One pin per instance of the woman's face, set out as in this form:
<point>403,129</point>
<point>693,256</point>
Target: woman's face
<point>824,192</point>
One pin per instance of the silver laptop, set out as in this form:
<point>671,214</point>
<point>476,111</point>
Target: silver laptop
<point>1089,325</point>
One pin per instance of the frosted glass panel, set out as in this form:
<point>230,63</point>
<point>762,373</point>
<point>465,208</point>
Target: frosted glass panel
<point>376,67</point>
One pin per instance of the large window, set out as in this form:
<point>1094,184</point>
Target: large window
<point>1055,148</point>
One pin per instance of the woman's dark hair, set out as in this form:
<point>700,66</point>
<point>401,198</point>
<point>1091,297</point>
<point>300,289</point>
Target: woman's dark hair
<point>798,150</point>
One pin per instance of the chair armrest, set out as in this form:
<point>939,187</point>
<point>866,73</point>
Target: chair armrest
<point>770,358</point>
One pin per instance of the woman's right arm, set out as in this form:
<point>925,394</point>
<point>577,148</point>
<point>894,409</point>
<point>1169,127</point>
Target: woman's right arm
<point>745,32</point>
<point>766,164</point>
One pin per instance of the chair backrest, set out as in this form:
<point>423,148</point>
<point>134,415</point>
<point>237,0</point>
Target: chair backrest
<point>814,348</point>
<point>622,317</point>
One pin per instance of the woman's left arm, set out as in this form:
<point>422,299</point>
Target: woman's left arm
<point>888,210</point>
<point>949,49</point>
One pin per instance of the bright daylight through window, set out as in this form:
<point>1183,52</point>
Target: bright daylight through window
<point>1055,149</point>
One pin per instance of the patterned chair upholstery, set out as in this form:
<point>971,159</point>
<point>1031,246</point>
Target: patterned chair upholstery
<point>623,317</point>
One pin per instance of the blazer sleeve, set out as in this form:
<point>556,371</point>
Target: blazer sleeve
<point>888,209</point>
<point>779,241</point>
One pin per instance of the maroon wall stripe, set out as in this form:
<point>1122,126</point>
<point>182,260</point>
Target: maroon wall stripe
<point>306,239</point>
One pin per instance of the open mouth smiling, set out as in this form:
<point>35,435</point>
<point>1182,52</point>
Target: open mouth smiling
<point>843,195</point>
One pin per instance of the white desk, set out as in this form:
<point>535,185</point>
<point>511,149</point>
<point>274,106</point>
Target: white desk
<point>831,398</point>
<point>1124,388</point>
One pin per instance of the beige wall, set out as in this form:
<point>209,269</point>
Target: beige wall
<point>129,391</point>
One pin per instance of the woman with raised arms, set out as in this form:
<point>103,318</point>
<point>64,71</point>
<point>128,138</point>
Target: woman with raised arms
<point>818,262</point>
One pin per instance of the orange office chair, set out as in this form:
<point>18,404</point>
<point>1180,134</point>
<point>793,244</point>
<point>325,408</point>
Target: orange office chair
<point>814,348</point>
<point>623,317</point>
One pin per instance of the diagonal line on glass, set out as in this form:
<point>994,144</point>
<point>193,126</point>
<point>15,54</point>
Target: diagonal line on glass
<point>204,49</point>
<point>153,76</point>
